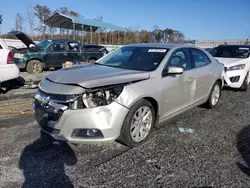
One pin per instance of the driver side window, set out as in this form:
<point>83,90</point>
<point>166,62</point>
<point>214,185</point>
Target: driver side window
<point>180,58</point>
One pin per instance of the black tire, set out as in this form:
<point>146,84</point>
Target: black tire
<point>125,135</point>
<point>35,67</point>
<point>209,103</point>
<point>244,85</point>
<point>92,60</point>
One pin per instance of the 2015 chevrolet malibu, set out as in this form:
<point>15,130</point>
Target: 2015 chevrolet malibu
<point>126,93</point>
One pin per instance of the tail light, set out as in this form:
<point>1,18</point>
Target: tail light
<point>10,58</point>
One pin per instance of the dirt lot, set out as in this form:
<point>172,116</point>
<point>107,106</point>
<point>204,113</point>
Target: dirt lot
<point>217,154</point>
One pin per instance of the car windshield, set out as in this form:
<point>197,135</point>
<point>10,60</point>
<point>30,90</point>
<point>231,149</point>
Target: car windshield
<point>135,58</point>
<point>44,43</point>
<point>231,51</point>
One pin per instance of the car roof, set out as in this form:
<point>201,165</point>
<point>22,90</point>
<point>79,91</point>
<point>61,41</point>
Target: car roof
<point>236,45</point>
<point>93,45</point>
<point>63,40</point>
<point>160,45</point>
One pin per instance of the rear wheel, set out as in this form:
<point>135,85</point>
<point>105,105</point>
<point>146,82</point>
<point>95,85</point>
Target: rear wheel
<point>245,83</point>
<point>214,95</point>
<point>35,67</point>
<point>138,123</point>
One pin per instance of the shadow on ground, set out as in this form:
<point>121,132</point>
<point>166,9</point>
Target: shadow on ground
<point>243,145</point>
<point>42,163</point>
<point>12,84</point>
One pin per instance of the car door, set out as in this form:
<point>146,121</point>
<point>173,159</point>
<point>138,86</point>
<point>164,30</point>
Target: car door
<point>57,56</point>
<point>177,89</point>
<point>73,50</point>
<point>202,74</point>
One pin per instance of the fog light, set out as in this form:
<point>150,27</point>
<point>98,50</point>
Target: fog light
<point>91,132</point>
<point>234,79</point>
<point>87,133</point>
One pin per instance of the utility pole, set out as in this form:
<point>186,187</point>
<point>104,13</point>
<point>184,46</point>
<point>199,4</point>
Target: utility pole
<point>1,21</point>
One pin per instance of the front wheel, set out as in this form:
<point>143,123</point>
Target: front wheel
<point>34,67</point>
<point>214,95</point>
<point>244,85</point>
<point>138,123</point>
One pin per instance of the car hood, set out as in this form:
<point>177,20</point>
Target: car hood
<point>230,61</point>
<point>93,75</point>
<point>24,38</point>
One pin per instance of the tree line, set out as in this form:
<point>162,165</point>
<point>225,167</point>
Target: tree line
<point>33,21</point>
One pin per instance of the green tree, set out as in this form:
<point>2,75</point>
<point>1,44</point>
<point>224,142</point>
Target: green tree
<point>178,36</point>
<point>42,13</point>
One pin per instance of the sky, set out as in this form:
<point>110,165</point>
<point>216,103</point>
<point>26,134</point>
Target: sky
<point>197,19</point>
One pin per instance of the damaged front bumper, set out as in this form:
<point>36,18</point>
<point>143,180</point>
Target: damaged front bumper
<point>85,125</point>
<point>234,79</point>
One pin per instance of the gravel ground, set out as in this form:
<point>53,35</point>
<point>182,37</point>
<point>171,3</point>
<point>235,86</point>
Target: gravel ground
<point>215,155</point>
<point>17,87</point>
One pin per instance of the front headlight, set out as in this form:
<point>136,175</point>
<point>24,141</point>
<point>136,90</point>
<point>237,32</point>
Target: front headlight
<point>101,96</point>
<point>236,67</point>
<point>18,56</point>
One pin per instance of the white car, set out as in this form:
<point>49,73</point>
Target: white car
<point>236,61</point>
<point>8,69</point>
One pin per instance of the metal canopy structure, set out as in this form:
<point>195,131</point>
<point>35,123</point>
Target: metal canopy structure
<point>79,23</point>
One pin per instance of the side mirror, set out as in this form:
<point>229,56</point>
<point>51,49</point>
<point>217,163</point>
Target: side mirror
<point>175,70</point>
<point>32,46</point>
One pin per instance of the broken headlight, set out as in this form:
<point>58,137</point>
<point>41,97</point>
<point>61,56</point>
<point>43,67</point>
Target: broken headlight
<point>101,96</point>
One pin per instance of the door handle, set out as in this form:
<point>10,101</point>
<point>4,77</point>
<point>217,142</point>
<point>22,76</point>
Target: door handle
<point>190,79</point>
<point>65,54</point>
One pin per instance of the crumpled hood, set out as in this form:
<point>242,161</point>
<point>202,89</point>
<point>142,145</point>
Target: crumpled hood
<point>228,62</point>
<point>93,75</point>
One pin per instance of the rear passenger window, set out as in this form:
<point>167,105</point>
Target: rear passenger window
<point>200,58</point>
<point>59,47</point>
<point>1,47</point>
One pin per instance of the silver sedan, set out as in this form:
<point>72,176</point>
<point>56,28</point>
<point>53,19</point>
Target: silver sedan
<point>126,93</point>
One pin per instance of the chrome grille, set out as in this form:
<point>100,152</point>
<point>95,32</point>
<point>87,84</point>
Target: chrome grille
<point>58,97</point>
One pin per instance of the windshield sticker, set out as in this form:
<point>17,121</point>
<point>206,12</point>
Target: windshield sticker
<point>243,48</point>
<point>157,50</point>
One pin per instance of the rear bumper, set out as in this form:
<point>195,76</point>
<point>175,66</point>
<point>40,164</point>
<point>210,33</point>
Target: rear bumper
<point>8,72</point>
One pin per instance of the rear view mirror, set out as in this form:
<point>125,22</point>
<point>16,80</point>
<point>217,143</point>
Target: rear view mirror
<point>175,70</point>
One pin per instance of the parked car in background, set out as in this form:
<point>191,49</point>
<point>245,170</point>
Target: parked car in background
<point>126,93</point>
<point>50,53</point>
<point>237,64</point>
<point>208,49</point>
<point>93,52</point>
<point>8,69</point>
